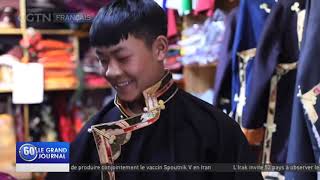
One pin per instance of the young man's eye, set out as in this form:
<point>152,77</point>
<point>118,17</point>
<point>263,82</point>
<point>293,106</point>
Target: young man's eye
<point>123,59</point>
<point>103,62</point>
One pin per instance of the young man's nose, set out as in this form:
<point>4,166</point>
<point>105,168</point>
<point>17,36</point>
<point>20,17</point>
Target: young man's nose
<point>113,70</point>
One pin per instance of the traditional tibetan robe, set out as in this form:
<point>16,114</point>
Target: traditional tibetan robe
<point>304,141</point>
<point>269,105</point>
<point>250,22</point>
<point>176,127</point>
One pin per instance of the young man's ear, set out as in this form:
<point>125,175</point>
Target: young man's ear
<point>160,48</point>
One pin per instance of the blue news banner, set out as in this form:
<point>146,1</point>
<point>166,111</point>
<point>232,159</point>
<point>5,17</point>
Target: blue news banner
<point>54,157</point>
<point>42,157</point>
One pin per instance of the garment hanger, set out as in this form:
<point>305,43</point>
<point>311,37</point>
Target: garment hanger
<point>295,7</point>
<point>265,7</point>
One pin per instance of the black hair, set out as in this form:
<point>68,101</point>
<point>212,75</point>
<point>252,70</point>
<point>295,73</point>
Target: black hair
<point>143,19</point>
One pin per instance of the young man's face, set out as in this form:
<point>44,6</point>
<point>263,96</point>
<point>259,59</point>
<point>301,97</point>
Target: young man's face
<point>131,67</point>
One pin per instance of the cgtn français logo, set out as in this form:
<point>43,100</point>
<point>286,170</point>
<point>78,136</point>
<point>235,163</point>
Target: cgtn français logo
<point>42,157</point>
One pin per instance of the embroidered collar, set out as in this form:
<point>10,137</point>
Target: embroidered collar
<point>163,90</point>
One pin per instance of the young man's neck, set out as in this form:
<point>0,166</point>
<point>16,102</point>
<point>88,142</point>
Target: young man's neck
<point>136,106</point>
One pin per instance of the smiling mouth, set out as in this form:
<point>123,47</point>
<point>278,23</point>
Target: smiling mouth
<point>122,84</point>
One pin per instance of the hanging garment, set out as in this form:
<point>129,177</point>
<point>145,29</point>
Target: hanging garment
<point>172,24</point>
<point>250,23</point>
<point>66,125</point>
<point>304,142</point>
<point>222,86</point>
<point>272,85</point>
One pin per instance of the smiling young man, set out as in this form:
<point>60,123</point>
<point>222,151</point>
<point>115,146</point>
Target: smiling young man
<point>131,66</point>
<point>131,45</point>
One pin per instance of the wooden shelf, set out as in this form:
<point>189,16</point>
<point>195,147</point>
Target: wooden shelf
<point>62,32</point>
<point>17,31</point>
<point>72,88</point>
<point>56,31</point>
<point>10,31</point>
<point>214,64</point>
<point>2,90</point>
<point>62,88</point>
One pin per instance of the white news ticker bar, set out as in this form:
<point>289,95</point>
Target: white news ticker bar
<point>42,167</point>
